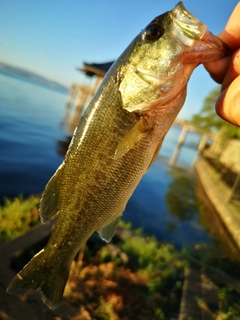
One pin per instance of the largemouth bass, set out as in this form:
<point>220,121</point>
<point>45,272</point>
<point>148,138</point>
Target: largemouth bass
<point>116,141</point>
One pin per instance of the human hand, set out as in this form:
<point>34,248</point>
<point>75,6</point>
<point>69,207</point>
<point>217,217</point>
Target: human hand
<point>227,71</point>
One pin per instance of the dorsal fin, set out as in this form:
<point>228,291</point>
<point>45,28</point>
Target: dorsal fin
<point>49,202</point>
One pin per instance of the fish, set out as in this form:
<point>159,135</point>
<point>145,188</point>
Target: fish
<point>116,141</point>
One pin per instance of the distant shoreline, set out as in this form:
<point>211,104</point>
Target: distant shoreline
<point>32,76</point>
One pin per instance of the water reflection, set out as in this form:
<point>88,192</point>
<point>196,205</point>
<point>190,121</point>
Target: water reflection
<point>187,201</point>
<point>180,198</point>
<point>156,206</point>
<point>223,245</point>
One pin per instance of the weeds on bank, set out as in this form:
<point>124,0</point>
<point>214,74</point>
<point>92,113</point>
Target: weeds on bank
<point>135,278</point>
<point>17,216</point>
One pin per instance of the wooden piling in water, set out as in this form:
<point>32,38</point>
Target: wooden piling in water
<point>181,140</point>
<point>179,145</point>
<point>78,99</point>
<point>79,96</point>
<point>69,103</point>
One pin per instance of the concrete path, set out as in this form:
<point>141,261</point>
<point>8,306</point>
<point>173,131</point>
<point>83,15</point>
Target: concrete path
<point>200,290</point>
<point>200,300</point>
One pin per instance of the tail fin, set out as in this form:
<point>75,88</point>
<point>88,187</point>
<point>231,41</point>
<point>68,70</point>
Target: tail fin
<point>41,275</point>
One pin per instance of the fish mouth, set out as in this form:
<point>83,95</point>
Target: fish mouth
<point>187,26</point>
<point>195,34</point>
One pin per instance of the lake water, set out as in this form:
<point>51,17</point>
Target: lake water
<point>31,136</point>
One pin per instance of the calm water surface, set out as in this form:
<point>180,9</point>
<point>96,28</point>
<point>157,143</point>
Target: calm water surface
<point>30,127</point>
<point>31,136</point>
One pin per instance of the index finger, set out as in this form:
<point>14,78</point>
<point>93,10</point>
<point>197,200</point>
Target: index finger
<point>231,36</point>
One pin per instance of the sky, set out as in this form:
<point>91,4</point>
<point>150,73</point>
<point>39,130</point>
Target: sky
<point>54,37</point>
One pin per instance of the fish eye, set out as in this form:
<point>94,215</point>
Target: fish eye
<point>153,32</point>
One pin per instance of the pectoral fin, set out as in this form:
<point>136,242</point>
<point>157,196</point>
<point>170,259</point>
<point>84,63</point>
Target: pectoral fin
<point>49,202</point>
<point>136,133</point>
<point>107,232</point>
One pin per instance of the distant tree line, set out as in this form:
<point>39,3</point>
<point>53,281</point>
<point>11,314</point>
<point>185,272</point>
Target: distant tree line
<point>208,121</point>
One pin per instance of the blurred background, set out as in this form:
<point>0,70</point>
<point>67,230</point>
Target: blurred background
<point>47,49</point>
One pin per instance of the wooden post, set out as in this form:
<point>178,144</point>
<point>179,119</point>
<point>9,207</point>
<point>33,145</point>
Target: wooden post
<point>69,102</point>
<point>201,146</point>
<point>234,187</point>
<point>97,82</point>
<point>179,145</point>
<point>202,143</point>
<point>77,108</point>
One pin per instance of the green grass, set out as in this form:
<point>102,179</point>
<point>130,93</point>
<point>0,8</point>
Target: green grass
<point>17,216</point>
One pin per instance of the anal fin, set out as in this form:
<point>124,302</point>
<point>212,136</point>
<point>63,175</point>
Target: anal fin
<point>108,231</point>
